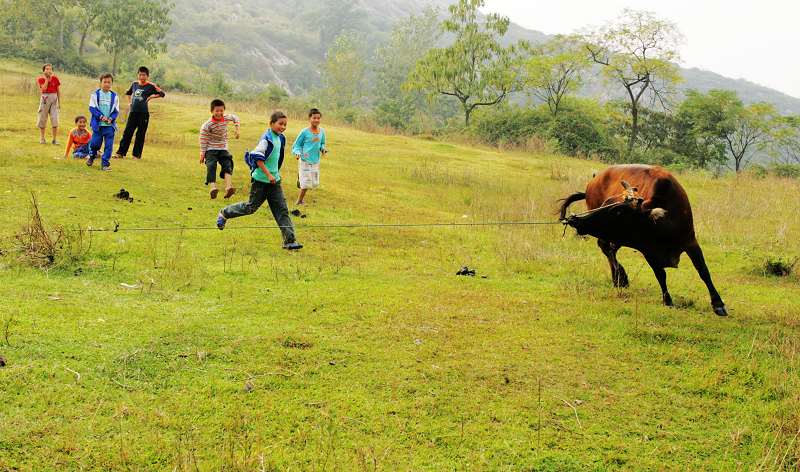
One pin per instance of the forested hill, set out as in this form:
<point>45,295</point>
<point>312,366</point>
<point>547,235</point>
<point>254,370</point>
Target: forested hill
<point>255,42</point>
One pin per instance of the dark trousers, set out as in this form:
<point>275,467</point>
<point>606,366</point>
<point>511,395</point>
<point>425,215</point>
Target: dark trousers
<point>273,195</point>
<point>136,122</point>
<point>104,138</point>
<point>221,157</point>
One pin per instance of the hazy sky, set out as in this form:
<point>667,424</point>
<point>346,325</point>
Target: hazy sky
<point>754,40</point>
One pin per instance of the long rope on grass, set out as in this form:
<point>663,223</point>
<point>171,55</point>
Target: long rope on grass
<point>118,228</point>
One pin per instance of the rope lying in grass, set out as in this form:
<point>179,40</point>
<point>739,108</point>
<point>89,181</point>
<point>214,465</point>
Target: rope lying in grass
<point>117,227</point>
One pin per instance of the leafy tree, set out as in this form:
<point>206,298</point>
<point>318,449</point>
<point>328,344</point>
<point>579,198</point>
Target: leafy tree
<point>788,140</point>
<point>409,41</point>
<point>701,123</point>
<point>476,69</point>
<point>555,70</point>
<point>749,129</point>
<point>638,52</point>
<point>90,11</point>
<point>130,25</point>
<point>344,73</point>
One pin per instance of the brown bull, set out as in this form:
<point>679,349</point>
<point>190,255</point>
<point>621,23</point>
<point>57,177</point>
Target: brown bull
<point>644,208</point>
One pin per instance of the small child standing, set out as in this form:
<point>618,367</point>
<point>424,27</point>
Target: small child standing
<point>265,165</point>
<point>214,148</point>
<point>308,148</point>
<point>104,107</point>
<point>79,137</point>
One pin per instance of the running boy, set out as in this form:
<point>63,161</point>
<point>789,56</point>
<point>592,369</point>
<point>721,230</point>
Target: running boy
<point>79,137</point>
<point>265,170</point>
<point>139,95</point>
<point>214,148</point>
<point>308,149</point>
<point>104,107</point>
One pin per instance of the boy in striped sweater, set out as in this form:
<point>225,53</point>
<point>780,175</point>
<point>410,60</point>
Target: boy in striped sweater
<point>214,148</point>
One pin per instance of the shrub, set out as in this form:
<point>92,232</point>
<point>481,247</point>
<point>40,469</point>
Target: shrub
<point>779,266</point>
<point>578,134</point>
<point>789,171</point>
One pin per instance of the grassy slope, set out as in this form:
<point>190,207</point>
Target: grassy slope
<point>364,350</point>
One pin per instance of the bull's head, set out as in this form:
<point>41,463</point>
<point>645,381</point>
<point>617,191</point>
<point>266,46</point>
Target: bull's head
<point>613,222</point>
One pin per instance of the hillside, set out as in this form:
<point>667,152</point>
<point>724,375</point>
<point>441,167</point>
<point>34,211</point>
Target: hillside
<point>194,349</point>
<point>255,42</point>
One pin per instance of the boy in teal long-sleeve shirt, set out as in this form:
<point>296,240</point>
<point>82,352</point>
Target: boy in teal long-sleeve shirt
<point>265,185</point>
<point>308,149</point>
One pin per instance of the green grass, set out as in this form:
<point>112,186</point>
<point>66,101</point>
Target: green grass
<point>364,351</point>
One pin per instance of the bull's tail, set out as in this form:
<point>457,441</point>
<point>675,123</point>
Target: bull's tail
<point>566,202</point>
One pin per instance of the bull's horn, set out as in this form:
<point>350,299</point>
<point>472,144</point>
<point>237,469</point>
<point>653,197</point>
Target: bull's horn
<point>626,185</point>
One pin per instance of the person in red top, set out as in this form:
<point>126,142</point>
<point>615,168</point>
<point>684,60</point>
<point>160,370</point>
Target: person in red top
<point>80,137</point>
<point>49,102</point>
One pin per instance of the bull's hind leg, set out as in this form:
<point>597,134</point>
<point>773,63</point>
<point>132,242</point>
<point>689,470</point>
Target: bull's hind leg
<point>696,255</point>
<point>661,276</point>
<point>618,274</point>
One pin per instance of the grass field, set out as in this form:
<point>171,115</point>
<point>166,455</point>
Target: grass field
<point>364,351</point>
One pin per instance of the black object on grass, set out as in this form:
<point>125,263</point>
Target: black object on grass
<point>466,272</point>
<point>124,195</point>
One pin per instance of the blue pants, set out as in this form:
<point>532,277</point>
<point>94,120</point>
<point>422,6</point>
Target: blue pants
<point>103,136</point>
<point>81,152</point>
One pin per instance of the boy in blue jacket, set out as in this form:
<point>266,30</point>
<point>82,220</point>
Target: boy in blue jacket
<point>104,107</point>
<point>265,171</point>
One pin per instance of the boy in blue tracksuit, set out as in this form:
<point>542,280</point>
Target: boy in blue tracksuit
<point>104,107</point>
<point>265,171</point>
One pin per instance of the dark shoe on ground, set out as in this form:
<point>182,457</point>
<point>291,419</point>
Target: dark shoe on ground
<point>90,160</point>
<point>221,221</point>
<point>213,193</point>
<point>229,192</point>
<point>293,246</point>
<point>55,143</point>
<point>296,212</point>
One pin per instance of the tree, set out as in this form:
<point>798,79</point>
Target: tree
<point>750,129</point>
<point>130,25</point>
<point>344,72</point>
<point>90,12</point>
<point>476,69</point>
<point>638,52</point>
<point>555,70</point>
<point>409,41</point>
<point>787,140</point>
<point>701,123</point>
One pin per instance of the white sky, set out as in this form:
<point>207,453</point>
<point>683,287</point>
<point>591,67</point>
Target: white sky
<point>754,40</point>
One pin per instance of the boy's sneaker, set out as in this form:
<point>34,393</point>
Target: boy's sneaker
<point>106,168</point>
<point>55,143</point>
<point>90,160</point>
<point>221,221</point>
<point>292,246</point>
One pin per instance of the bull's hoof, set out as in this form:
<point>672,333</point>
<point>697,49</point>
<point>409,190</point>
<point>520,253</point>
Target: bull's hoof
<point>721,310</point>
<point>668,300</point>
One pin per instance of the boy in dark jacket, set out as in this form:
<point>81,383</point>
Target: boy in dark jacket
<point>139,95</point>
